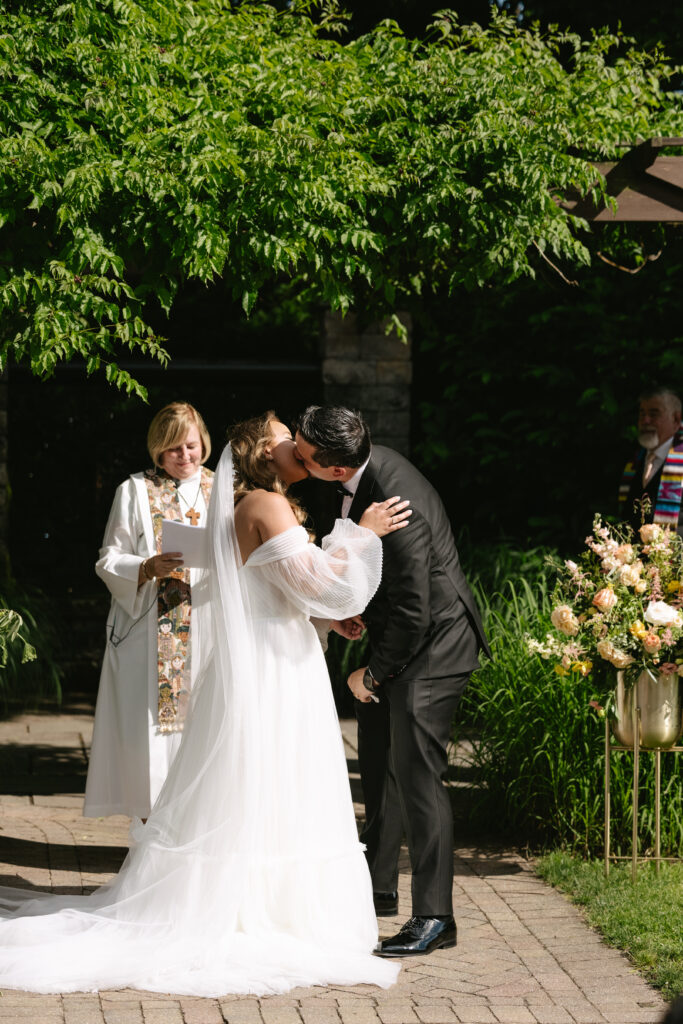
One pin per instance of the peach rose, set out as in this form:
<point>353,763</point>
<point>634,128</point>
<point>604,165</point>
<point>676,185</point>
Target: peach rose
<point>605,599</point>
<point>609,652</point>
<point>563,618</point>
<point>651,643</point>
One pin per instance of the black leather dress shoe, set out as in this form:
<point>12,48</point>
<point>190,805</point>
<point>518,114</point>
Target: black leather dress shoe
<point>386,903</point>
<point>419,936</point>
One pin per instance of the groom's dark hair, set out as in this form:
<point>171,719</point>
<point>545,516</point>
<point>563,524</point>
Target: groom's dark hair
<point>340,436</point>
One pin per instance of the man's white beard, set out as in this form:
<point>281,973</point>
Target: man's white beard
<point>648,439</point>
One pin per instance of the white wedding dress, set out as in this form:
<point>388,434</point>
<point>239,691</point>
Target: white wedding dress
<point>248,876</point>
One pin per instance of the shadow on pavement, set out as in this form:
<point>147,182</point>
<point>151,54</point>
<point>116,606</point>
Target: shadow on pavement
<point>486,863</point>
<point>17,882</point>
<point>31,853</point>
<point>42,769</point>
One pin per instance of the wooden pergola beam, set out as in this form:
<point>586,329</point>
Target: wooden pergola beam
<point>647,187</point>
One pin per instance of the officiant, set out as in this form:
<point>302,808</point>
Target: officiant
<point>155,619</point>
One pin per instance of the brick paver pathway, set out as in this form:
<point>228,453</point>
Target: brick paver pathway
<point>524,954</point>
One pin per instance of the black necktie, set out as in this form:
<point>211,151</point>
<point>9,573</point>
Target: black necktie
<point>345,493</point>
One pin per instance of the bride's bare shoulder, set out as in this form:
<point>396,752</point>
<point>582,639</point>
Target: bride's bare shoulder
<point>270,512</point>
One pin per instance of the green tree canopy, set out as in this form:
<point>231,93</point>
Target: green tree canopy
<point>145,143</point>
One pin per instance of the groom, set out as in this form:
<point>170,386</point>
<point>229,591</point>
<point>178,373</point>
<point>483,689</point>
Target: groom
<point>424,635</point>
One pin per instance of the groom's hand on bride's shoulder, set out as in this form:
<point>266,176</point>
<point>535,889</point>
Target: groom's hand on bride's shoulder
<point>351,628</point>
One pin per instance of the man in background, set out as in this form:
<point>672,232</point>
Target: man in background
<point>652,483</point>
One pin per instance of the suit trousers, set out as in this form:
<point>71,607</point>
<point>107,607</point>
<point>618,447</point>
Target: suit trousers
<point>402,754</point>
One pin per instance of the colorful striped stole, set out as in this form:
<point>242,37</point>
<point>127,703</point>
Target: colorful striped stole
<point>630,470</point>
<point>668,505</point>
<point>670,492</point>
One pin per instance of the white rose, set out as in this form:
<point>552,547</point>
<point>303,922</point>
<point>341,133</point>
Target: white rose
<point>650,532</point>
<point>563,618</point>
<point>659,613</point>
<point>629,575</point>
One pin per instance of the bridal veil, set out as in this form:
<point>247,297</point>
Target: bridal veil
<point>248,876</point>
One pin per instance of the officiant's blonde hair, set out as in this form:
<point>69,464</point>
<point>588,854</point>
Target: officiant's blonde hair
<point>249,440</point>
<point>170,427</point>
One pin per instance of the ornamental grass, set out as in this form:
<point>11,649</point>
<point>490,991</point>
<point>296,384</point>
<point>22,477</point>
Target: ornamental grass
<point>537,740</point>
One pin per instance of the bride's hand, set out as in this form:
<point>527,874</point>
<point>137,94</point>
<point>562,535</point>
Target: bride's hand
<point>351,628</point>
<point>387,516</point>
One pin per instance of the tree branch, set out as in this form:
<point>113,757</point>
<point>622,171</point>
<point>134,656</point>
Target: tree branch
<point>554,266</point>
<point>630,270</point>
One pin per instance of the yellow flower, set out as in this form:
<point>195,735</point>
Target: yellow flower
<point>561,670</point>
<point>638,629</point>
<point>674,586</point>
<point>584,667</point>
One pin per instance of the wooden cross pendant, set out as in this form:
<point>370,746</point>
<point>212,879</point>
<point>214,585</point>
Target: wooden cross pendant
<point>192,516</point>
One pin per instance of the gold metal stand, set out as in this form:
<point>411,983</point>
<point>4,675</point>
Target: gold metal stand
<point>635,749</point>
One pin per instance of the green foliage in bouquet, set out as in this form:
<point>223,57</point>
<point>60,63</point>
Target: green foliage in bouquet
<point>618,607</point>
<point>538,746</point>
<point>147,143</point>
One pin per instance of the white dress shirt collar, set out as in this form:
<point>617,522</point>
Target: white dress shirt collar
<point>351,486</point>
<point>663,450</point>
<point>352,483</point>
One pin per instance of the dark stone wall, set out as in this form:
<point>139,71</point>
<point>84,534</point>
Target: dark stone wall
<point>371,371</point>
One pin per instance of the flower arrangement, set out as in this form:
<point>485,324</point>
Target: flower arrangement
<point>618,607</point>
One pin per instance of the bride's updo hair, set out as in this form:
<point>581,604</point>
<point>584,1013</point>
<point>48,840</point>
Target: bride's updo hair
<point>253,471</point>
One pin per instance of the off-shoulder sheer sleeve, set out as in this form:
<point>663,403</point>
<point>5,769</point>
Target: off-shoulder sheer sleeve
<point>329,583</point>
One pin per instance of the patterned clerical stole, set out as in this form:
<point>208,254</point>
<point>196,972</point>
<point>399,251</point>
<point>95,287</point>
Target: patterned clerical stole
<point>670,491</point>
<point>174,606</point>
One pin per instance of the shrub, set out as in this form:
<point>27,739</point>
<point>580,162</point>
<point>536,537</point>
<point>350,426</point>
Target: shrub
<point>29,642</point>
<point>538,748</point>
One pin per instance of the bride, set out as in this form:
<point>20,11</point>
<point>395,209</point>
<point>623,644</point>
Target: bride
<point>248,876</point>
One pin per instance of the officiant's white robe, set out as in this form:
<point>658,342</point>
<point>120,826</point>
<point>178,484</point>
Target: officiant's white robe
<point>130,758</point>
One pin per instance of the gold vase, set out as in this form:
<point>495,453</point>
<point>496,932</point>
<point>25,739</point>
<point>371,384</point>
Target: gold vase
<point>661,710</point>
